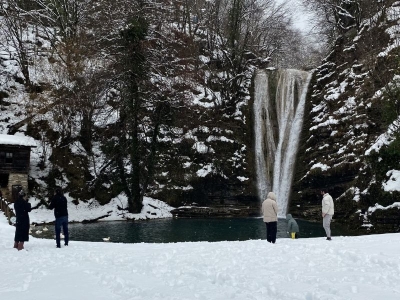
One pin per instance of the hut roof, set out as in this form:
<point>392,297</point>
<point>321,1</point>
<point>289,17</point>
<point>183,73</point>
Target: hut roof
<point>17,140</point>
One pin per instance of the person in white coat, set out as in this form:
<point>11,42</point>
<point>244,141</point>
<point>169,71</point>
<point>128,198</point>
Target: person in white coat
<point>328,210</point>
<point>270,216</point>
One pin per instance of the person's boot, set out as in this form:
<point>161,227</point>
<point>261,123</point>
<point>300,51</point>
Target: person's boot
<point>329,238</point>
<point>16,245</point>
<point>20,246</point>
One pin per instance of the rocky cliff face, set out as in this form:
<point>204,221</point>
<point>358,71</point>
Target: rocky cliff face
<point>350,142</point>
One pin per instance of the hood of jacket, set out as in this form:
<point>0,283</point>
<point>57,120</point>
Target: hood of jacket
<point>289,216</point>
<point>325,195</point>
<point>271,195</point>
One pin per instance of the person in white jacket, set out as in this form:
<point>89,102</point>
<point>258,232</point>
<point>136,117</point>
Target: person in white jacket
<point>328,210</point>
<point>270,216</point>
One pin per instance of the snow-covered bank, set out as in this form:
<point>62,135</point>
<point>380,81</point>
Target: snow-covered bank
<point>363,267</point>
<point>92,210</point>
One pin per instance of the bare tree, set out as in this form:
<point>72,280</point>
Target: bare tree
<point>242,33</point>
<point>15,28</point>
<point>335,17</point>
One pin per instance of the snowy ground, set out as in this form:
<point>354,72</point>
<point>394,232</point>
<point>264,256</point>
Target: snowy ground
<point>363,267</point>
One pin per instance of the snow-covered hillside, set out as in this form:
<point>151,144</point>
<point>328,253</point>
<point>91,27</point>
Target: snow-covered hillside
<point>68,90</point>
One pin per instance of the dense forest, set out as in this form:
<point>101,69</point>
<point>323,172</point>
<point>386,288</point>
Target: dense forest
<point>154,97</point>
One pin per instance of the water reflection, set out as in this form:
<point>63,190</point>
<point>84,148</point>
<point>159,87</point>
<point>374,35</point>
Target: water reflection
<point>184,230</point>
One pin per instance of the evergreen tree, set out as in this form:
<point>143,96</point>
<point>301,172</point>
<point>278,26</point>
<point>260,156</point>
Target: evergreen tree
<point>136,72</point>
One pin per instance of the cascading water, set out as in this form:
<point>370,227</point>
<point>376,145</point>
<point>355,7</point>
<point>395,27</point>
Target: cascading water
<point>278,121</point>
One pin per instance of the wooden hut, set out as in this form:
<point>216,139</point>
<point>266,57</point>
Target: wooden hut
<point>15,152</point>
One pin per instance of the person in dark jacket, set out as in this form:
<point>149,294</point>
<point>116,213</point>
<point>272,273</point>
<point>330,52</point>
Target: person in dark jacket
<point>59,204</point>
<point>22,209</point>
<point>292,227</point>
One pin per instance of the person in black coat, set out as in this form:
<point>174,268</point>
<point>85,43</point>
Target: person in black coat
<point>59,203</point>
<point>22,209</point>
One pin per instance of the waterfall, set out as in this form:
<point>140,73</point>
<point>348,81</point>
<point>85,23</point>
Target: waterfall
<point>277,123</point>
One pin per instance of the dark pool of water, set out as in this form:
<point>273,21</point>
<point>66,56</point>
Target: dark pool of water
<point>184,230</point>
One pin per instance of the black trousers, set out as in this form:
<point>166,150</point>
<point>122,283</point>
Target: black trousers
<point>272,228</point>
